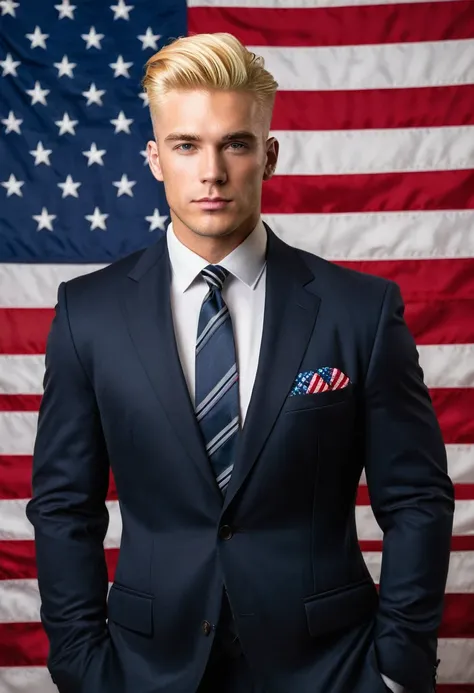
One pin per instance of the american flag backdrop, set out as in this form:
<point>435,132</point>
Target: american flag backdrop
<point>375,115</point>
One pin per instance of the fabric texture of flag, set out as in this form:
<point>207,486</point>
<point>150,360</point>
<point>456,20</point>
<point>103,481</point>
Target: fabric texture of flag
<point>375,118</point>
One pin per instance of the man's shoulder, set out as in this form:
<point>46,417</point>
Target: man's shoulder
<point>340,281</point>
<point>107,279</point>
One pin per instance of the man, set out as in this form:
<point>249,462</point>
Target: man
<point>236,387</point>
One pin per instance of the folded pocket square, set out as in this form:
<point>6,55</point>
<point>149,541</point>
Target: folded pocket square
<point>312,382</point>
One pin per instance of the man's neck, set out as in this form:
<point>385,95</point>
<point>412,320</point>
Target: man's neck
<point>212,249</point>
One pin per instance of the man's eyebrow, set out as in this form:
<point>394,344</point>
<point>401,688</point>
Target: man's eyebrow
<point>182,136</point>
<point>191,137</point>
<point>240,135</point>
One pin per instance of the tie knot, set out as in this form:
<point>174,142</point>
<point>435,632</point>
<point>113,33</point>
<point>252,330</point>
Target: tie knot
<point>215,276</point>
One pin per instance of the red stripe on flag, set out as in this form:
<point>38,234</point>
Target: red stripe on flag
<point>389,192</point>
<point>18,561</point>
<point>23,645</point>
<point>458,616</point>
<point>461,543</point>
<point>338,26</point>
<point>15,475</point>
<point>24,330</point>
<point>451,406</point>
<point>20,402</point>
<point>374,108</point>
<point>420,280</point>
<point>445,321</point>
<point>423,279</point>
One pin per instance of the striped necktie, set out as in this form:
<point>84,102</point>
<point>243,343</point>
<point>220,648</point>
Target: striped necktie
<point>217,393</point>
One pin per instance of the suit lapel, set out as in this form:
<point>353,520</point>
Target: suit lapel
<point>290,315</point>
<point>150,322</point>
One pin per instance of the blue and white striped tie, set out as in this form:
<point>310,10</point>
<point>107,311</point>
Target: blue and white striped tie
<point>217,393</point>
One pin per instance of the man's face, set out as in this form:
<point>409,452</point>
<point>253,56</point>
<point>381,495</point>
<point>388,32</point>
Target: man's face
<point>212,145</point>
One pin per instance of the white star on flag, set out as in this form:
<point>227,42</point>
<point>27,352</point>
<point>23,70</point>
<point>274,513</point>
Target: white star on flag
<point>66,125</point>
<point>37,94</point>
<point>45,220</point>
<point>12,124</point>
<point>69,187</point>
<point>122,124</point>
<point>124,186</point>
<point>38,40</point>
<point>94,155</point>
<point>65,9</point>
<point>121,11</point>
<point>149,39</point>
<point>8,7</point>
<point>144,153</point>
<point>120,67</point>
<point>157,221</point>
<point>13,186</point>
<point>93,39</point>
<point>94,95</point>
<point>9,65</point>
<point>97,219</point>
<point>65,68</point>
<point>41,154</point>
<point>144,96</point>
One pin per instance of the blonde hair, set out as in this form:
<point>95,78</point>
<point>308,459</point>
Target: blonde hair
<point>208,61</point>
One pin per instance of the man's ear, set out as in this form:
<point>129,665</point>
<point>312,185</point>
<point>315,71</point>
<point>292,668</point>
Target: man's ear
<point>154,160</point>
<point>273,147</point>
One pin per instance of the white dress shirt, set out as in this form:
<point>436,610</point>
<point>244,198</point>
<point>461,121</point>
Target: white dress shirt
<point>244,294</point>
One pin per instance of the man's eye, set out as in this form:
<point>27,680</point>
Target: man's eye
<point>185,144</point>
<point>238,145</point>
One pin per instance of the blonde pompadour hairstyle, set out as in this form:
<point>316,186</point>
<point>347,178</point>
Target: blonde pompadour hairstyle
<point>209,62</point>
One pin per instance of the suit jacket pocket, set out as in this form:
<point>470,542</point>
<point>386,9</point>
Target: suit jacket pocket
<point>130,609</point>
<point>319,399</point>
<point>341,608</point>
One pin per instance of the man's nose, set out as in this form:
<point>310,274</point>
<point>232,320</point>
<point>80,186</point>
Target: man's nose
<point>213,169</point>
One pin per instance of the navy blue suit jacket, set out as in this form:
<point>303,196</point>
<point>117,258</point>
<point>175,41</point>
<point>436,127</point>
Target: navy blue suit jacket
<point>307,612</point>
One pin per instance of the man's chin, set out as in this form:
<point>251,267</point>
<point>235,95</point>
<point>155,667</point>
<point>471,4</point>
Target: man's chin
<point>214,228</point>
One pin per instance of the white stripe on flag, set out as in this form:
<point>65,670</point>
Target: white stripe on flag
<point>444,365</point>
<point>457,660</point>
<point>460,574</point>
<point>460,464</point>
<point>20,599</point>
<point>358,236</point>
<point>14,524</point>
<point>36,285</point>
<point>21,374</point>
<point>456,654</point>
<point>26,680</point>
<point>405,65</point>
<point>368,529</point>
<point>447,365</point>
<point>432,235</point>
<point>331,152</point>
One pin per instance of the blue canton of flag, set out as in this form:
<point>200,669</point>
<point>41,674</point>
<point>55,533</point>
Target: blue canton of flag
<point>74,180</point>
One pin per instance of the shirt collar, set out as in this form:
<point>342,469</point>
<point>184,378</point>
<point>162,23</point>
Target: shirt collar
<point>246,262</point>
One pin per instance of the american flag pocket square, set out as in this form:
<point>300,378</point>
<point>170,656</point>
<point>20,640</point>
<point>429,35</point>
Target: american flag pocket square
<point>321,380</point>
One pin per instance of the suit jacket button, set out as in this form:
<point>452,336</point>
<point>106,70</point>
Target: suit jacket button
<point>225,532</point>
<point>206,627</point>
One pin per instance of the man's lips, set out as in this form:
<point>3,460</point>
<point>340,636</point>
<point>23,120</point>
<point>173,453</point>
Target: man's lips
<point>211,203</point>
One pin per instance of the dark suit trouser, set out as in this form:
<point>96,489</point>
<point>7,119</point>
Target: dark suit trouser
<point>227,669</point>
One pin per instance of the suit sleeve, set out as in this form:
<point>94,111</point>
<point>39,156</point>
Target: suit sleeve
<point>412,499</point>
<point>68,511</point>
